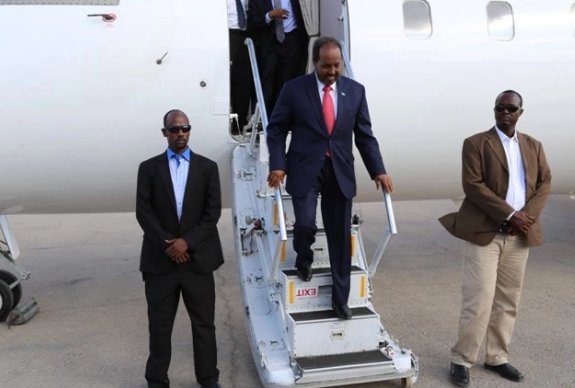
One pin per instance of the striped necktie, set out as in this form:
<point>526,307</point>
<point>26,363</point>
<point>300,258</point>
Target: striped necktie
<point>279,23</point>
<point>241,15</point>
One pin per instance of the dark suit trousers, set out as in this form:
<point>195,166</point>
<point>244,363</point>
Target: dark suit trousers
<point>163,295</point>
<point>336,213</point>
<point>241,82</point>
<point>282,63</point>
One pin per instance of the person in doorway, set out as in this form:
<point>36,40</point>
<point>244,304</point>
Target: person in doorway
<point>281,37</point>
<point>241,80</point>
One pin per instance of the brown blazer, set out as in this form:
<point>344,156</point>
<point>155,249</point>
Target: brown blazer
<point>485,181</point>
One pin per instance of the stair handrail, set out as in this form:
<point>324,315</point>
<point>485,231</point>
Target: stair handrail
<point>282,234</point>
<point>391,228</point>
<point>261,105</point>
<point>263,149</point>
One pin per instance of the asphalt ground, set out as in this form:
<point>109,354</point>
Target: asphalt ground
<point>91,330</point>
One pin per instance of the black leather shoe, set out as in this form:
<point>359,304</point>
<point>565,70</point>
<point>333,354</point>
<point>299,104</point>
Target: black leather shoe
<point>459,375</point>
<point>212,385</point>
<point>342,312</point>
<point>304,273</point>
<point>507,371</point>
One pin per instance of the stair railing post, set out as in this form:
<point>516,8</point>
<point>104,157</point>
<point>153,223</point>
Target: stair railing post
<point>390,230</point>
<point>282,238</point>
<point>261,105</point>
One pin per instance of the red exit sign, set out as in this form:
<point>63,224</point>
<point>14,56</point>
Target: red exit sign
<point>308,292</point>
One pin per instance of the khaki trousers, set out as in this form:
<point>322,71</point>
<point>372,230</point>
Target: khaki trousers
<point>492,283</point>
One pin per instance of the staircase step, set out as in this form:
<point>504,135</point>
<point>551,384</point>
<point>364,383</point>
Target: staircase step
<point>346,368</point>
<point>316,271</point>
<point>328,314</point>
<point>321,271</point>
<point>300,296</point>
<point>318,333</point>
<point>336,360</point>
<point>320,251</point>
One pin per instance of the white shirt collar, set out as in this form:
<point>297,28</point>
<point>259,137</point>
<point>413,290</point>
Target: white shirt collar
<point>321,85</point>
<point>504,137</point>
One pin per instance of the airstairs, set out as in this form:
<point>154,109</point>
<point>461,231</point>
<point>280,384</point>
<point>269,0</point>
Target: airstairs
<point>295,337</point>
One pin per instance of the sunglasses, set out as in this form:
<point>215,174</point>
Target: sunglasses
<point>509,108</point>
<point>178,128</point>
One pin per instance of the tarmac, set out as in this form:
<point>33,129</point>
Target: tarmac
<point>91,330</point>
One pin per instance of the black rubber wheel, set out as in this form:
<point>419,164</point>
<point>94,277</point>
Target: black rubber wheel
<point>16,291</point>
<point>6,300</point>
<point>407,382</point>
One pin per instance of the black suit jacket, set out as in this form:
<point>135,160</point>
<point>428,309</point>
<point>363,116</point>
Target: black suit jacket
<point>263,33</point>
<point>156,214</point>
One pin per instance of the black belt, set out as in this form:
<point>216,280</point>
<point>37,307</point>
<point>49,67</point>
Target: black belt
<point>238,32</point>
<point>504,227</point>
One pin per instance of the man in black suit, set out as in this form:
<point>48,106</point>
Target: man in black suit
<point>242,92</point>
<point>281,55</point>
<point>178,206</point>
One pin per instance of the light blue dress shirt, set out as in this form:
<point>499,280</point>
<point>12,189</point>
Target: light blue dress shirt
<point>179,166</point>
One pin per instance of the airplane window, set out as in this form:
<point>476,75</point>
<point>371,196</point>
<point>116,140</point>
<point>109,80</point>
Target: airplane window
<point>417,19</point>
<point>59,2</point>
<point>500,23</point>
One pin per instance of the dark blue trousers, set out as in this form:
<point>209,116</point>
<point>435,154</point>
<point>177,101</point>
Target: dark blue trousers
<point>336,213</point>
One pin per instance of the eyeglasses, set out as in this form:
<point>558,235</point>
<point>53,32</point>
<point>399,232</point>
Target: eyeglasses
<point>509,108</point>
<point>178,128</point>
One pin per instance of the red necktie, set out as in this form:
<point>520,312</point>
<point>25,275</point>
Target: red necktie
<point>328,110</point>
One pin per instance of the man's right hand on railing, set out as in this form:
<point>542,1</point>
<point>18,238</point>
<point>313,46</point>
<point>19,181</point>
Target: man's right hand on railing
<point>276,177</point>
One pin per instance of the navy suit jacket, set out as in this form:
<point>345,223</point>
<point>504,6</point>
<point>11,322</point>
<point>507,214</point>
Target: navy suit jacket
<point>299,110</point>
<point>157,215</point>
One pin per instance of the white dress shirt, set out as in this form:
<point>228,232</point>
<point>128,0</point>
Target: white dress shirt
<point>290,23</point>
<point>516,192</point>
<point>233,14</point>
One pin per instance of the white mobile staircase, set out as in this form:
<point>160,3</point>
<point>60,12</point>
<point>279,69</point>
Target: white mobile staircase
<point>295,337</point>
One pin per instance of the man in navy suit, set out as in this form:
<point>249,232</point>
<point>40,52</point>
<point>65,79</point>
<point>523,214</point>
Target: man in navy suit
<point>178,206</point>
<point>324,112</point>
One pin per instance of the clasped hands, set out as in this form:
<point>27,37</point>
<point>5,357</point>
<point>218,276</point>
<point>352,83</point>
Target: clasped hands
<point>178,250</point>
<point>520,222</point>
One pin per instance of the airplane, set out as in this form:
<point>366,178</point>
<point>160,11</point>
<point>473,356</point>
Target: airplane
<point>85,84</point>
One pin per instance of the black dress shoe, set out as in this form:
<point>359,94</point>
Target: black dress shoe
<point>212,385</point>
<point>304,273</point>
<point>342,312</point>
<point>507,371</point>
<point>459,375</point>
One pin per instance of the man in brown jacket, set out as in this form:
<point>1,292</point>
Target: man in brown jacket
<point>506,181</point>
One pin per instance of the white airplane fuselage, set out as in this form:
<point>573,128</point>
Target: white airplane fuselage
<point>82,99</point>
